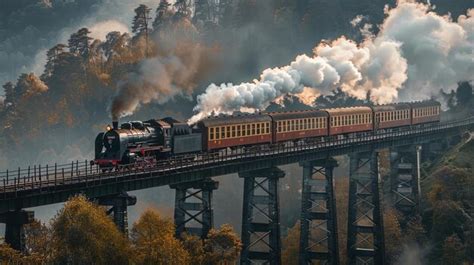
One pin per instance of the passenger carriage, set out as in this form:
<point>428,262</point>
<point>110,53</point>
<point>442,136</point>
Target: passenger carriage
<point>425,112</point>
<point>296,125</point>
<point>349,120</point>
<point>238,130</point>
<point>391,116</point>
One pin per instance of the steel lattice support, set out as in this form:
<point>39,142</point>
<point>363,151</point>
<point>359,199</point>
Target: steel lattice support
<point>193,211</point>
<point>118,208</point>
<point>318,233</point>
<point>14,222</point>
<point>261,217</point>
<point>405,178</point>
<point>365,238</point>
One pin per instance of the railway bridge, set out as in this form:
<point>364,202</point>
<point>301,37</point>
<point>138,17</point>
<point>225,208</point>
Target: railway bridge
<point>192,179</point>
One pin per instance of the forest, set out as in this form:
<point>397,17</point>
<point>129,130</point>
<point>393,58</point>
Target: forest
<point>172,52</point>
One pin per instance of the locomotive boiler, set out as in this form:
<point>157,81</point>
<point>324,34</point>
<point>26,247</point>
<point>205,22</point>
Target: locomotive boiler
<point>147,141</point>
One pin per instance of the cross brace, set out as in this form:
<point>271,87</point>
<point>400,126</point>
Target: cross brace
<point>261,217</point>
<point>365,239</point>
<point>318,234</point>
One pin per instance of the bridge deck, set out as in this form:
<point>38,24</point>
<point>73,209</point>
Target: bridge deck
<point>46,185</point>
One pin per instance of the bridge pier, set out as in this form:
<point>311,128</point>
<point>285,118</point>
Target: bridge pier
<point>14,223</point>
<point>405,178</point>
<point>193,205</point>
<point>261,217</point>
<point>318,233</point>
<point>365,236</point>
<point>118,207</point>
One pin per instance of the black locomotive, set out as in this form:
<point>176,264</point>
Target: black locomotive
<point>146,141</point>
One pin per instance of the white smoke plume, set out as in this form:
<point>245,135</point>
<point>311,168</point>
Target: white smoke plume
<point>158,79</point>
<point>415,50</point>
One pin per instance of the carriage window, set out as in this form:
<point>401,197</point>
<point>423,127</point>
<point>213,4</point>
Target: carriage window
<point>222,132</point>
<point>211,133</point>
<point>238,131</point>
<point>279,126</point>
<point>227,131</point>
<point>258,128</point>
<point>300,123</point>
<point>233,131</point>
<point>267,127</point>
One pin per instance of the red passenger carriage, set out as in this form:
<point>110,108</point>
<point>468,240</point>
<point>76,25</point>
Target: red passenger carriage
<point>392,116</point>
<point>425,112</point>
<point>349,120</point>
<point>230,131</point>
<point>295,125</point>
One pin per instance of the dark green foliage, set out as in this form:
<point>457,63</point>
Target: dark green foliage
<point>141,20</point>
<point>79,42</point>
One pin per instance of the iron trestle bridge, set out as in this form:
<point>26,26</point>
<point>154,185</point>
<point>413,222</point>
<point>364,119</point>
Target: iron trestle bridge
<point>41,185</point>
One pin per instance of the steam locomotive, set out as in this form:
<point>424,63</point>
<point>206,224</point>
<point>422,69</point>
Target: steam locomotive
<point>151,140</point>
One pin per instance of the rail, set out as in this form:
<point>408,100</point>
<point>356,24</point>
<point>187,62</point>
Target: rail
<point>49,177</point>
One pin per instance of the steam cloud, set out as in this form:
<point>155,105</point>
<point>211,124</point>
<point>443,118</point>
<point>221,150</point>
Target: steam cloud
<point>415,49</point>
<point>160,79</point>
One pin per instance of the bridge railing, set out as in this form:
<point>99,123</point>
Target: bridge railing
<point>50,176</point>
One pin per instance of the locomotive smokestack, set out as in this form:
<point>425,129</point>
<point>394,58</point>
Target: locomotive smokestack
<point>115,124</point>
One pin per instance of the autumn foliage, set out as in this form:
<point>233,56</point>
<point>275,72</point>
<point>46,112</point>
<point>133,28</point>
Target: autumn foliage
<point>82,233</point>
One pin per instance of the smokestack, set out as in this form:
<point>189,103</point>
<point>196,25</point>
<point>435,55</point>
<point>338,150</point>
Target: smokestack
<point>115,124</point>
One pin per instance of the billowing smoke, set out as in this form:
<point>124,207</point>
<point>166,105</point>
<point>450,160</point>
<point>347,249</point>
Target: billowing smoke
<point>160,79</point>
<point>416,50</point>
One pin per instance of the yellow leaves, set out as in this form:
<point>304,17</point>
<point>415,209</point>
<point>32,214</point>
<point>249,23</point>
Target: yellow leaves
<point>154,242</point>
<point>222,246</point>
<point>84,234</point>
<point>291,246</point>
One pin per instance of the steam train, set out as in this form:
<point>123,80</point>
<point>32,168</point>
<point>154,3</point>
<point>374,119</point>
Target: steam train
<point>151,140</point>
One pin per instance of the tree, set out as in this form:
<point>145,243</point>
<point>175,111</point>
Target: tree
<point>222,246</point>
<point>291,246</point>
<point>453,251</point>
<point>79,42</point>
<point>225,13</point>
<point>182,9</point>
<point>194,245</point>
<point>448,219</point>
<point>163,15</point>
<point>463,93</point>
<point>393,235</point>
<point>9,91</point>
<point>140,23</point>
<point>84,234</point>
<point>52,57</point>
<point>414,231</point>
<point>154,242</point>
<point>38,240</point>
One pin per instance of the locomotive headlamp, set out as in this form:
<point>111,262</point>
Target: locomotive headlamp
<point>109,128</point>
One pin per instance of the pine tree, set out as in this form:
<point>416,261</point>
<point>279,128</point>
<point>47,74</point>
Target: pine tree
<point>163,14</point>
<point>182,9</point>
<point>224,13</point>
<point>52,57</point>
<point>79,42</point>
<point>9,90</point>
<point>202,11</point>
<point>141,22</point>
